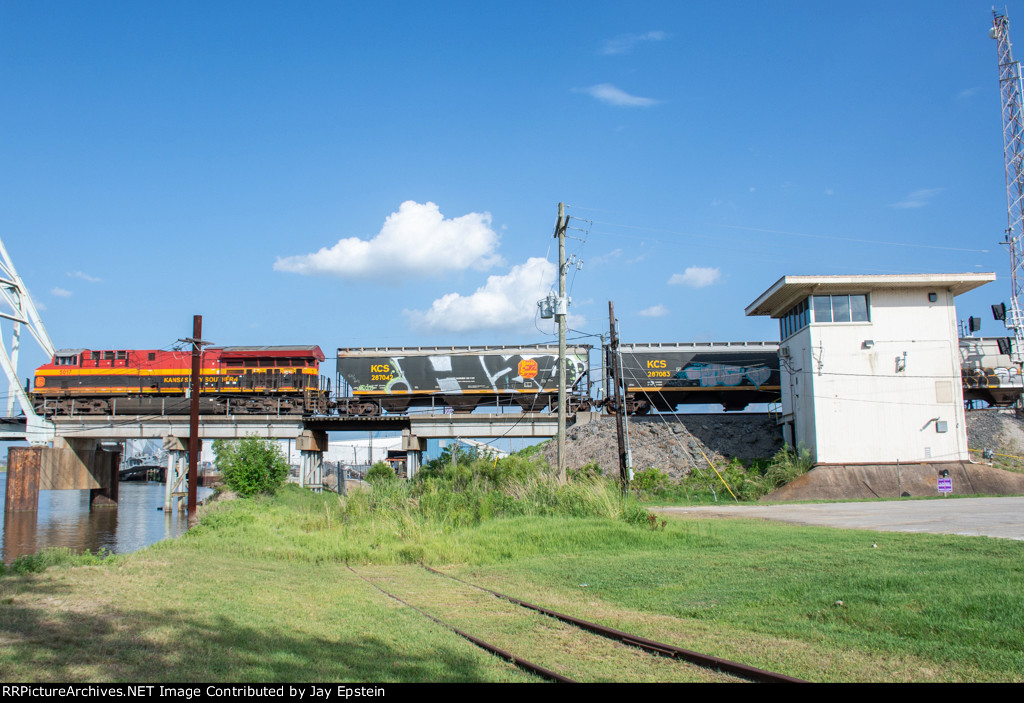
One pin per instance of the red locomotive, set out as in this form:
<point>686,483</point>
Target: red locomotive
<point>234,380</point>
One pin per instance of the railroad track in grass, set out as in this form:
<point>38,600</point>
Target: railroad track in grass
<point>693,662</point>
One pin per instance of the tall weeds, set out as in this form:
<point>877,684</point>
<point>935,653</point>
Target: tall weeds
<point>464,493</point>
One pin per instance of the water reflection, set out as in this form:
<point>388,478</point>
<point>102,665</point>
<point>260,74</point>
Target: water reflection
<point>64,519</point>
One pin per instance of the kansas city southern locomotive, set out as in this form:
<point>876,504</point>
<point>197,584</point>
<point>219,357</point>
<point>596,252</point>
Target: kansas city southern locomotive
<point>281,380</point>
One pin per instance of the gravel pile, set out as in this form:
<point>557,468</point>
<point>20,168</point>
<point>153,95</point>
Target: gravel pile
<point>674,444</point>
<point>999,430</point>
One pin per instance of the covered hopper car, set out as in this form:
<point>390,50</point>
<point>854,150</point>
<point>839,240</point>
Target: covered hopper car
<point>662,376</point>
<point>278,380</point>
<point>988,371</point>
<point>394,379</point>
<point>734,374</point>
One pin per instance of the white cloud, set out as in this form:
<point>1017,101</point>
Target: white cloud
<point>61,292</point>
<point>503,302</point>
<point>624,43</point>
<point>658,310</point>
<point>968,93</point>
<point>696,277</point>
<point>919,198</point>
<point>605,258</point>
<point>608,93</point>
<point>84,277</point>
<point>415,240</point>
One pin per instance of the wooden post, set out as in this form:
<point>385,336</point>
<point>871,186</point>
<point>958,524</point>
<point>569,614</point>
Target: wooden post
<point>193,424</point>
<point>560,313</point>
<point>618,387</point>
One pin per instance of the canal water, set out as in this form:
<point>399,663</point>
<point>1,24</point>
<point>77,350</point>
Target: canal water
<point>64,519</point>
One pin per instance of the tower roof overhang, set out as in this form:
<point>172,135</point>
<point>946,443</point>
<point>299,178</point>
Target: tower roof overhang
<point>788,290</point>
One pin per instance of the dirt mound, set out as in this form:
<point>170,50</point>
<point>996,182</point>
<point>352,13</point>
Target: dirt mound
<point>673,443</point>
<point>849,482</point>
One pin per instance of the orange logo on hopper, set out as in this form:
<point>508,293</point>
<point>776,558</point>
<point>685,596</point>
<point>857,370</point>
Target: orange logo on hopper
<point>528,368</point>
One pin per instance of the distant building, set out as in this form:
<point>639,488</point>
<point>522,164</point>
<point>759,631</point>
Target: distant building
<point>436,446</point>
<point>870,365</point>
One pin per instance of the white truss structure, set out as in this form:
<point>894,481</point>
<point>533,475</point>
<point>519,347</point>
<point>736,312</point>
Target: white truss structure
<point>1011,94</point>
<point>16,305</point>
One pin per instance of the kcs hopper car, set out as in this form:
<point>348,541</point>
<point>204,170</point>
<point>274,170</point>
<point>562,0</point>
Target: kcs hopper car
<point>733,374</point>
<point>394,379</point>
<point>234,380</point>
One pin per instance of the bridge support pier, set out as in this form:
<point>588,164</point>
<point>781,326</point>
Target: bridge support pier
<point>106,495</point>
<point>176,477</point>
<point>68,465</point>
<point>414,447</point>
<point>312,444</point>
<point>23,479</point>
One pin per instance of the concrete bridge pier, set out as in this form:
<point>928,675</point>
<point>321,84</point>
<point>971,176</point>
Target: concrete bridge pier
<point>414,447</point>
<point>176,476</point>
<point>312,444</point>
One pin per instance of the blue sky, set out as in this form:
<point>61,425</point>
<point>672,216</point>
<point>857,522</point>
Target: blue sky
<point>369,174</point>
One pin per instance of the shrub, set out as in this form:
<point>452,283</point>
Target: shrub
<point>652,481</point>
<point>748,482</point>
<point>380,472</point>
<point>251,465</point>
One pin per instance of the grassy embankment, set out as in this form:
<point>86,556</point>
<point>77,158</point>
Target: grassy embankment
<point>259,591</point>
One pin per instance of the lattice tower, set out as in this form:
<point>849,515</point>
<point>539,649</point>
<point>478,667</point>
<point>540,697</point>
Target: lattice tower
<point>1011,92</point>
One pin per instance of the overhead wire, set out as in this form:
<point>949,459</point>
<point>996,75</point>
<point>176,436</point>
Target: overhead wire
<point>766,230</point>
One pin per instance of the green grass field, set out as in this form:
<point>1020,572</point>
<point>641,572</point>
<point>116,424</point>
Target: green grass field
<point>259,591</point>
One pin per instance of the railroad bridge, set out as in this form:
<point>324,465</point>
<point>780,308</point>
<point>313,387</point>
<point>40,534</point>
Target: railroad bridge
<point>78,460</point>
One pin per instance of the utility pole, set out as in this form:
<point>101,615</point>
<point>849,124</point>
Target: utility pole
<point>196,340</point>
<point>561,308</point>
<point>620,405</point>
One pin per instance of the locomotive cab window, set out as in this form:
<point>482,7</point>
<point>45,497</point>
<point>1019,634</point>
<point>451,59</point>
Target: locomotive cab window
<point>68,360</point>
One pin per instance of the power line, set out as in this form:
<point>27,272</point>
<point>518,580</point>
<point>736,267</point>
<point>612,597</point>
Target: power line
<point>856,240</point>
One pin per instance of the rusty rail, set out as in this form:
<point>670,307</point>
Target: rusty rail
<point>508,656</point>
<point>660,648</point>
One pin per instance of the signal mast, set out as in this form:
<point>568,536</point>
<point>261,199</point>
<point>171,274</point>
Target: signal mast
<point>1011,93</point>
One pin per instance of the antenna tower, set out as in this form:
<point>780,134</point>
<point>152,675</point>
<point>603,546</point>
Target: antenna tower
<point>1011,92</point>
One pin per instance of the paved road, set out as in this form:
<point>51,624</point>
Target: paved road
<point>993,517</point>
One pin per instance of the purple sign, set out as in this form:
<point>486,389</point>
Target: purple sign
<point>945,485</point>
